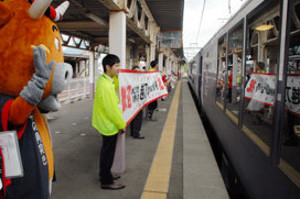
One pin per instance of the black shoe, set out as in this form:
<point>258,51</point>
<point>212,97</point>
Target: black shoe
<point>140,137</point>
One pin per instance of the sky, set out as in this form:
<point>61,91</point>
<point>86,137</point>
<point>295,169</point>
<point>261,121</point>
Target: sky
<point>216,13</point>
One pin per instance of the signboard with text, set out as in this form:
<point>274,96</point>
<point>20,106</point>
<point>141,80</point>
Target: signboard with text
<point>261,88</point>
<point>137,89</point>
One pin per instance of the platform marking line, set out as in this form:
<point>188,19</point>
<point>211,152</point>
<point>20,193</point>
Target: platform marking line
<point>157,184</point>
<point>259,142</point>
<point>232,116</point>
<point>220,105</point>
<point>290,171</point>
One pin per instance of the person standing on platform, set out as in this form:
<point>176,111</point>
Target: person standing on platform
<point>136,123</point>
<point>107,119</point>
<point>153,105</point>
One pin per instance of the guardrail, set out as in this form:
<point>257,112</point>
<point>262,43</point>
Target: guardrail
<point>79,88</point>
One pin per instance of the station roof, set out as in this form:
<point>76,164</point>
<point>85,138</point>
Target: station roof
<point>168,14</point>
<point>89,19</point>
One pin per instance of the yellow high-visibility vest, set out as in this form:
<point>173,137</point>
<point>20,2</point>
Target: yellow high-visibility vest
<point>107,116</point>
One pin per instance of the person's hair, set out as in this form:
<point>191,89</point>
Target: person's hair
<point>110,60</point>
<point>134,67</point>
<point>153,63</point>
<point>144,67</point>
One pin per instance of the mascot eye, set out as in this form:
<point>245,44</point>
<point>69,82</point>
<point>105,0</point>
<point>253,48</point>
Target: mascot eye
<point>57,44</point>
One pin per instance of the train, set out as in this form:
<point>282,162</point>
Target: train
<point>246,83</point>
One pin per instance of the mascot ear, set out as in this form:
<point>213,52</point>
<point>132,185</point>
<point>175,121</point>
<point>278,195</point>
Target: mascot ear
<point>6,14</point>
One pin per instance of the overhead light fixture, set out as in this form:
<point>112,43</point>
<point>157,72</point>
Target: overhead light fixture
<point>264,27</point>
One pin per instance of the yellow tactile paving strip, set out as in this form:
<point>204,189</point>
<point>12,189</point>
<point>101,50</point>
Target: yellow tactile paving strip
<point>157,184</point>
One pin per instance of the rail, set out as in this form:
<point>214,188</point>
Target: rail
<point>79,88</point>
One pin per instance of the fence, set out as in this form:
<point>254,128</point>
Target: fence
<point>79,88</point>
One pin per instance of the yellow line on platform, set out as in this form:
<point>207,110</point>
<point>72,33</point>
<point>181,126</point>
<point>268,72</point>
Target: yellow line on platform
<point>157,184</point>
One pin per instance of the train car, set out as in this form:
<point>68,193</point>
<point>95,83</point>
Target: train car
<point>247,81</point>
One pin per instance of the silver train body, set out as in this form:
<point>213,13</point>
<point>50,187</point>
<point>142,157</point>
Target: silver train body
<point>245,81</point>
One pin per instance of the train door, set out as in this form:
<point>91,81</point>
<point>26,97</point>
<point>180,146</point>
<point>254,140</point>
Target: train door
<point>221,69</point>
<point>289,161</point>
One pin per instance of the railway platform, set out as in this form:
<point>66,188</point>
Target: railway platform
<point>174,160</point>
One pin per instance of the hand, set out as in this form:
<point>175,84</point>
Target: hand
<point>42,69</point>
<point>33,92</point>
<point>123,131</point>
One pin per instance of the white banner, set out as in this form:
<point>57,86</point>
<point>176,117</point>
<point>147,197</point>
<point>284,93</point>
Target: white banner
<point>137,89</point>
<point>262,88</point>
<point>292,97</point>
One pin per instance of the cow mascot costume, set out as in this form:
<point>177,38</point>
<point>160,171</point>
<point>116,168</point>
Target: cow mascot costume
<point>32,73</point>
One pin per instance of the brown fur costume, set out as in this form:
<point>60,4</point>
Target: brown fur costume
<point>18,33</point>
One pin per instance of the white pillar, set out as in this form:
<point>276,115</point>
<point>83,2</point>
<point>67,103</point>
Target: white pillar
<point>160,61</point>
<point>117,36</point>
<point>168,65</point>
<point>135,54</point>
<point>92,74</point>
<point>148,57</point>
<point>152,52</point>
<point>117,46</point>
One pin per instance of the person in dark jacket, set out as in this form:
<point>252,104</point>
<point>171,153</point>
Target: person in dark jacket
<point>136,123</point>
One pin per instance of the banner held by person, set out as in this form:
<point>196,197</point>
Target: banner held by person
<point>137,89</point>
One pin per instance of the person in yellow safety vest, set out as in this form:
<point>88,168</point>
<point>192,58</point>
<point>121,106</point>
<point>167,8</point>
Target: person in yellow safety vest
<point>153,105</point>
<point>107,119</point>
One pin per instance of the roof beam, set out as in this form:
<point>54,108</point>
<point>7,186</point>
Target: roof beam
<point>81,26</point>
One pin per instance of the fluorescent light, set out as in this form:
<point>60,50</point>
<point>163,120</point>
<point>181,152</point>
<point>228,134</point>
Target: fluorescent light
<point>264,27</point>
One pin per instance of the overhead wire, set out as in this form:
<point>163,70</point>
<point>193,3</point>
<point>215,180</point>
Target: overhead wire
<point>199,28</point>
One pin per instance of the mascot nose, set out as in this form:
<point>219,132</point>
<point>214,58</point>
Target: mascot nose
<point>68,73</point>
<point>62,76</point>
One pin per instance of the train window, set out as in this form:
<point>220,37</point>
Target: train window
<point>262,52</point>
<point>291,132</point>
<point>234,69</point>
<point>221,68</point>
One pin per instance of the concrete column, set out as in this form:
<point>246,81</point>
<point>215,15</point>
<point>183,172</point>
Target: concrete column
<point>117,46</point>
<point>148,57</point>
<point>96,74</point>
<point>160,61</point>
<point>92,74</point>
<point>135,55</point>
<point>168,65</point>
<point>117,36</point>
<point>152,51</point>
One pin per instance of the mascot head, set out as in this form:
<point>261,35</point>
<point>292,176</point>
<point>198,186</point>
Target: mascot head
<point>23,25</point>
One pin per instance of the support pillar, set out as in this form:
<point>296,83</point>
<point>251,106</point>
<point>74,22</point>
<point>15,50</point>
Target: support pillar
<point>148,57</point>
<point>117,46</point>
<point>117,36</point>
<point>160,61</point>
<point>152,52</point>
<point>168,65</point>
<point>134,55</point>
<point>92,74</point>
